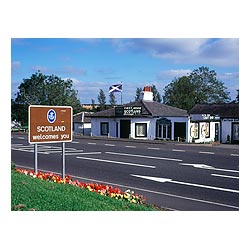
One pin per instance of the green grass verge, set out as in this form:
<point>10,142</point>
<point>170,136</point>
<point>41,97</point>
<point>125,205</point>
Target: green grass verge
<point>31,194</point>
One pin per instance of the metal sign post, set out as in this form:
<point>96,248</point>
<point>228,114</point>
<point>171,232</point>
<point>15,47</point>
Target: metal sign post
<point>35,159</point>
<point>63,160</point>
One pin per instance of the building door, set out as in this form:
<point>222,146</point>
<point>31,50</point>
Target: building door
<point>163,128</point>
<point>216,137</point>
<point>179,130</point>
<point>124,128</point>
<point>235,132</point>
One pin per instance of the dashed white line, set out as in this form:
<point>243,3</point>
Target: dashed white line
<point>84,153</point>
<point>178,150</point>
<point>154,148</point>
<point>109,145</point>
<point>130,146</point>
<point>92,143</point>
<point>144,156</point>
<point>116,162</point>
<point>234,154</point>
<point>206,152</point>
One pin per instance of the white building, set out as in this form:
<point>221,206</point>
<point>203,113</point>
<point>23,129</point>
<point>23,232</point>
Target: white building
<point>82,123</point>
<point>214,122</point>
<point>143,119</point>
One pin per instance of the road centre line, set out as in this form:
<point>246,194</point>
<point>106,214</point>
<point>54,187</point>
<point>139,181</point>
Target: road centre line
<point>204,166</point>
<point>116,162</point>
<point>206,152</point>
<point>144,156</point>
<point>140,189</point>
<point>109,145</point>
<point>178,150</point>
<point>92,143</point>
<point>225,176</point>
<point>130,146</point>
<point>154,148</point>
<point>234,154</point>
<point>84,153</point>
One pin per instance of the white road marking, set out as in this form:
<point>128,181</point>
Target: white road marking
<point>225,176</point>
<point>74,142</point>
<point>206,152</point>
<point>158,179</point>
<point>92,143</point>
<point>136,188</point>
<point>22,138</point>
<point>130,146</point>
<point>178,150</point>
<point>154,148</point>
<point>116,162</point>
<point>84,153</point>
<point>185,183</point>
<point>144,156</point>
<point>204,166</point>
<point>109,145</point>
<point>18,144</point>
<point>234,154</point>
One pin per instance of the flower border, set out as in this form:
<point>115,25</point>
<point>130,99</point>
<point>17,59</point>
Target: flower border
<point>101,189</point>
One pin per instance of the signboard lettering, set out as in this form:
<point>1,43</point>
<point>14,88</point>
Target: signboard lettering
<point>50,124</point>
<point>128,111</point>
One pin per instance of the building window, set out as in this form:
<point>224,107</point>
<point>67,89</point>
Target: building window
<point>194,130</point>
<point>205,129</point>
<point>141,130</point>
<point>104,128</point>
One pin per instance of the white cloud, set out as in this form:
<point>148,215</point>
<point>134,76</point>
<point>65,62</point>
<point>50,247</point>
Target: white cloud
<point>172,73</point>
<point>15,65</point>
<point>216,52</point>
<point>40,68</point>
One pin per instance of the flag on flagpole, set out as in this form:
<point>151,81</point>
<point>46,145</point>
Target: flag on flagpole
<point>115,88</point>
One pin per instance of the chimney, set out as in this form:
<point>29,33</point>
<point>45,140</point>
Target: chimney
<point>147,94</point>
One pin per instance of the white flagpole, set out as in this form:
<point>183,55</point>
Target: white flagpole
<point>121,94</point>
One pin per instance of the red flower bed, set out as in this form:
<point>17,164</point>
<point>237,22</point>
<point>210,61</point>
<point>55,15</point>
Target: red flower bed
<point>101,189</point>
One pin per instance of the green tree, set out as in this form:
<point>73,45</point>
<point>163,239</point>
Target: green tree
<point>179,93</point>
<point>42,89</point>
<point>156,94</point>
<point>201,86</point>
<point>112,99</point>
<point>102,99</point>
<point>138,94</point>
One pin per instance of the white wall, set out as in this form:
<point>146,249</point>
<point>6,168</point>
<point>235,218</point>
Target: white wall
<point>202,138</point>
<point>151,126</point>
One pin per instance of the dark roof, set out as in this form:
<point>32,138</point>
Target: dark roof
<point>229,110</point>
<point>148,109</point>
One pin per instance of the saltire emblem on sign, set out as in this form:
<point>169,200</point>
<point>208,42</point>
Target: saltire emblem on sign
<point>115,88</point>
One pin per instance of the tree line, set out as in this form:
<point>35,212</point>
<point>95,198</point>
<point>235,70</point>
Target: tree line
<point>199,87</point>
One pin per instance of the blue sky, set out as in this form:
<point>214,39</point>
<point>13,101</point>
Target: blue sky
<point>95,64</point>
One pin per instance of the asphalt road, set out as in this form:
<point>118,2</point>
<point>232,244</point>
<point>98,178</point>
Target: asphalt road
<point>176,176</point>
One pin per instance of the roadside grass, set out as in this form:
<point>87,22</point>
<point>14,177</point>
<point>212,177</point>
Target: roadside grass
<point>32,194</point>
